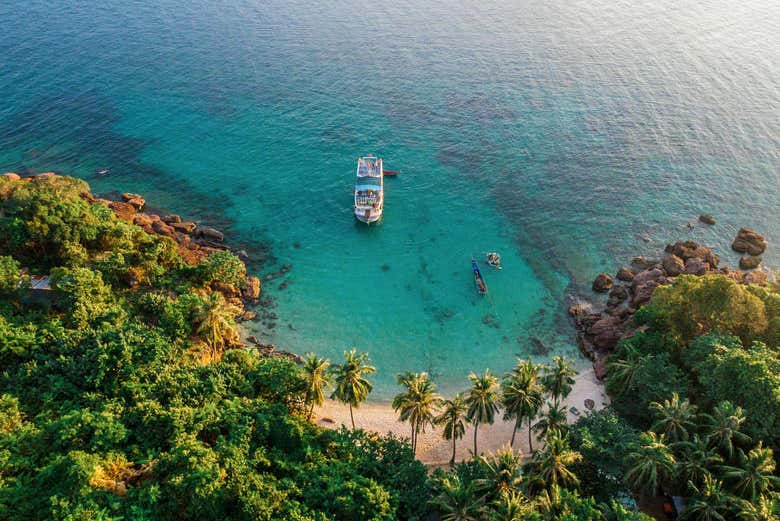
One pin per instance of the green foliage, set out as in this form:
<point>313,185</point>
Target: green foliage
<point>83,296</point>
<point>604,439</point>
<point>222,267</point>
<point>11,279</point>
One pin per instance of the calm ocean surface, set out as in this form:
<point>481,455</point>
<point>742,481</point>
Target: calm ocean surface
<point>568,135</point>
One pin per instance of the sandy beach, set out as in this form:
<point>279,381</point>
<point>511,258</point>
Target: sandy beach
<point>432,449</point>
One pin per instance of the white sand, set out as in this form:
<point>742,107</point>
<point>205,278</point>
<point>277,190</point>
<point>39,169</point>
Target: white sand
<point>434,450</point>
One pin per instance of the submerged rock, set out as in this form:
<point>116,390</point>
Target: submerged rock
<point>602,283</point>
<point>707,219</point>
<point>625,274</point>
<point>749,241</point>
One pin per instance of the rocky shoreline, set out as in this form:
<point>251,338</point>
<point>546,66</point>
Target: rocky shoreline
<point>600,329</point>
<point>194,243</point>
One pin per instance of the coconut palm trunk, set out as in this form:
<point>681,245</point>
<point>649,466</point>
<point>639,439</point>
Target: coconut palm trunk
<point>530,445</point>
<point>351,417</point>
<point>514,431</point>
<point>476,426</point>
<point>452,461</point>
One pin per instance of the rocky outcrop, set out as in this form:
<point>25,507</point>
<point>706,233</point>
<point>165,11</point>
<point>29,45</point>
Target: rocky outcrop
<point>183,227</point>
<point>600,331</point>
<point>750,242</point>
<point>252,289</point>
<point>160,228</point>
<point>749,263</point>
<point>12,176</point>
<point>171,218</point>
<point>134,199</point>
<point>602,283</point>
<point>125,211</point>
<point>756,277</point>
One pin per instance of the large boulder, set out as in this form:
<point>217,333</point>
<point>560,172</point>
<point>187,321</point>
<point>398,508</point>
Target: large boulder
<point>125,211</point>
<point>617,295</point>
<point>625,274</point>
<point>134,199</point>
<point>696,266</point>
<point>182,227</point>
<point>602,283</point>
<point>172,218</point>
<point>673,265</point>
<point>163,229</point>
<point>749,263</point>
<point>749,241</point>
<point>209,233</point>
<point>653,275</point>
<point>143,220</point>
<point>687,249</point>
<point>252,288</point>
<point>12,176</point>
<point>606,332</point>
<point>707,219</point>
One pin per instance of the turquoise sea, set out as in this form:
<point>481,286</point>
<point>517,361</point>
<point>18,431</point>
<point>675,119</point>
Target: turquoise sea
<point>569,135</point>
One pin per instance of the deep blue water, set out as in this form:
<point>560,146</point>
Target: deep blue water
<point>568,135</point>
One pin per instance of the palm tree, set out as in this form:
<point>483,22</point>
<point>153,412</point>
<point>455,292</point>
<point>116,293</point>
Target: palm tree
<point>482,401</point>
<point>766,508</point>
<point>351,385</point>
<point>755,474</point>
<point>456,501</point>
<point>652,463</point>
<point>708,503</point>
<point>216,321</point>
<point>723,427</point>
<point>620,373</point>
<point>674,418</point>
<point>553,464</point>
<point>696,459</point>
<point>558,378</point>
<point>501,472</point>
<point>418,403</point>
<point>318,378</point>
<point>553,421</point>
<point>522,396</point>
<point>510,507</point>
<point>453,412</point>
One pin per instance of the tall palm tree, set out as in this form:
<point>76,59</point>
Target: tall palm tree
<point>522,396</point>
<point>652,463</point>
<point>723,427</point>
<point>553,464</point>
<point>755,474</point>
<point>502,472</point>
<point>417,404</point>
<point>558,378</point>
<point>552,421</point>
<point>318,378</point>
<point>621,372</point>
<point>456,501</point>
<point>453,412</point>
<point>483,400</point>
<point>696,459</point>
<point>708,502</point>
<point>351,385</point>
<point>216,321</point>
<point>674,418</point>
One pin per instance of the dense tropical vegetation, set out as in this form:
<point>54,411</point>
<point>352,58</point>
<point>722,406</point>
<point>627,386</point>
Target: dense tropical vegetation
<point>130,396</point>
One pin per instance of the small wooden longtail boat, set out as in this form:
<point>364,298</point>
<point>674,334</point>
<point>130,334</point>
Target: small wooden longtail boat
<point>392,173</point>
<point>478,280</point>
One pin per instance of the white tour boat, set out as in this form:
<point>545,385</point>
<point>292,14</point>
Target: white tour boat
<point>369,189</point>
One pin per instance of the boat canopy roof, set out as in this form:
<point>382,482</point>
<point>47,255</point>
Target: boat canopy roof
<point>369,167</point>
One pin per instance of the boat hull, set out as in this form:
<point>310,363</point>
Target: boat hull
<point>367,217</point>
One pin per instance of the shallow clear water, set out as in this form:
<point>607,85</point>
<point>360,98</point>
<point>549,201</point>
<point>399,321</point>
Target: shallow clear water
<point>569,136</point>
